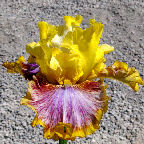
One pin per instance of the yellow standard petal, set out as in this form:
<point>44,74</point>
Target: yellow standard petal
<point>68,52</point>
<point>88,50</point>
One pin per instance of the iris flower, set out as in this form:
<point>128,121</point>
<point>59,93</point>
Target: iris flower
<point>61,69</point>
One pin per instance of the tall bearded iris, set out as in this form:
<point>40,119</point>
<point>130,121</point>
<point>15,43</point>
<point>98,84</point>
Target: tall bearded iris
<point>61,67</point>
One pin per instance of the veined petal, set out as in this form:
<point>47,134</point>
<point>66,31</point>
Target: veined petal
<point>121,72</point>
<point>67,111</point>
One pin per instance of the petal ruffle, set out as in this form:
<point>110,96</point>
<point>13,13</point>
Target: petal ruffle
<point>67,111</point>
<point>121,72</point>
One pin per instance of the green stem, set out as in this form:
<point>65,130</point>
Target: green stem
<point>62,141</point>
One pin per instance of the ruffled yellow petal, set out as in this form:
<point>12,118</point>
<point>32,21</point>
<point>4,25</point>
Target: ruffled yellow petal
<point>15,67</point>
<point>77,50</point>
<point>68,52</point>
<point>83,44</point>
<point>121,72</point>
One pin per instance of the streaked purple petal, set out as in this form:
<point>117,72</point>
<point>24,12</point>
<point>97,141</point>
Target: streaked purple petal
<point>77,105</point>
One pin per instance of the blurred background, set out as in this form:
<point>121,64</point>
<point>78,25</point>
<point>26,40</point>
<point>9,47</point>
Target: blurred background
<point>123,28</point>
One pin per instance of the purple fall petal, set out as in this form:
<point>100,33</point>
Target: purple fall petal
<point>76,105</point>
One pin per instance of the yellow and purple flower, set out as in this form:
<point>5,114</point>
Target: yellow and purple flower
<point>61,67</point>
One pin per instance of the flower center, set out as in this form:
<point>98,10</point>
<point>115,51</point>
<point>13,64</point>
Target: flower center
<point>67,83</point>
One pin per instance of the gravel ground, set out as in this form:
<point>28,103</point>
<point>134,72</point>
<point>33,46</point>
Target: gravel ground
<point>123,28</point>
